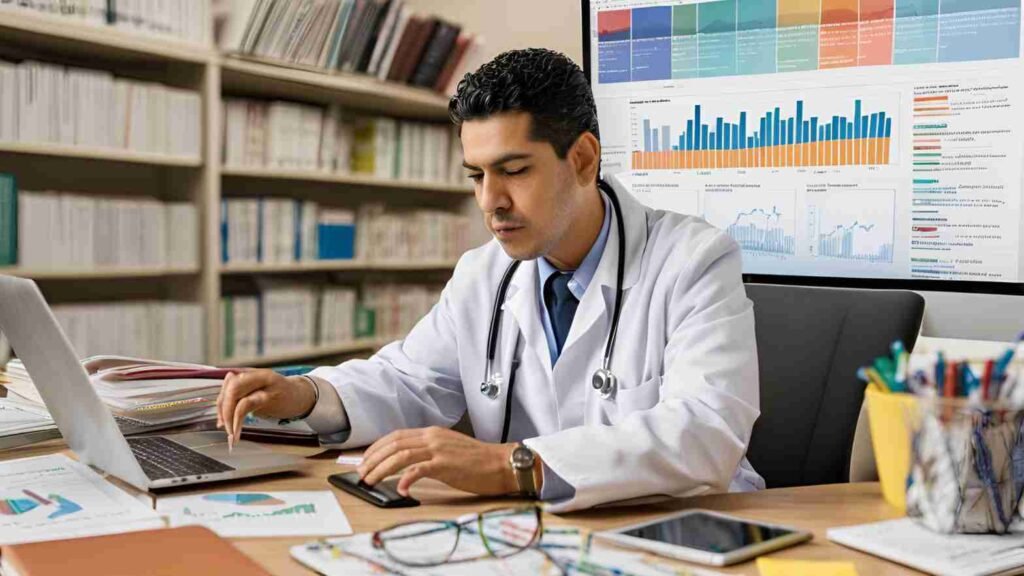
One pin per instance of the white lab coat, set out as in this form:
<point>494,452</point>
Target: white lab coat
<point>680,421</point>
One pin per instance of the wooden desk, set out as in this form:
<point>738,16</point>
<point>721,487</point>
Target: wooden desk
<point>813,508</point>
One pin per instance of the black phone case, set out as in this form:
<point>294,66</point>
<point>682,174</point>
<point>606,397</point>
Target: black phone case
<point>380,495</point>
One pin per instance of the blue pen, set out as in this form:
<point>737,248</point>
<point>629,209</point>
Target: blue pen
<point>940,373</point>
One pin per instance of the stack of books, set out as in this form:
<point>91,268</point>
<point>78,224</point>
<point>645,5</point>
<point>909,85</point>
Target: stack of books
<point>59,229</point>
<point>277,230</point>
<point>183,19</point>
<point>382,38</point>
<point>385,235</point>
<point>41,102</point>
<point>297,136</point>
<point>144,329</point>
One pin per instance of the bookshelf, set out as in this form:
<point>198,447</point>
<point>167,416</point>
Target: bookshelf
<point>98,153</point>
<point>100,272</point>
<point>202,181</point>
<point>342,179</point>
<point>298,355</point>
<point>337,266</point>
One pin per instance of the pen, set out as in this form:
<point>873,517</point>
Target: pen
<point>940,374</point>
<point>949,390</point>
<point>871,376</point>
<point>986,380</point>
<point>885,369</point>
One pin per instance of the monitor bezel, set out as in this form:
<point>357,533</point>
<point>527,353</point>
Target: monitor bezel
<point>962,286</point>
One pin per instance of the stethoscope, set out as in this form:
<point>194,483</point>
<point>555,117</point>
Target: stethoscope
<point>604,380</point>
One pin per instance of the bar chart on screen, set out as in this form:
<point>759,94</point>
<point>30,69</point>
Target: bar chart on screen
<point>851,224</point>
<point>762,222</point>
<point>786,130</point>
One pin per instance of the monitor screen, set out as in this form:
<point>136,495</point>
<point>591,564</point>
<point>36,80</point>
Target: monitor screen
<point>850,139</point>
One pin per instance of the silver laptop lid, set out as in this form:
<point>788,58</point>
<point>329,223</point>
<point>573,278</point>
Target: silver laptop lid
<point>83,419</point>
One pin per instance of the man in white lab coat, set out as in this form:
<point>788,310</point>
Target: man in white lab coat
<point>680,418</point>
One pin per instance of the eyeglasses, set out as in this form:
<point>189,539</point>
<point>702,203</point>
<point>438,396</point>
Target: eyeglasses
<point>503,532</point>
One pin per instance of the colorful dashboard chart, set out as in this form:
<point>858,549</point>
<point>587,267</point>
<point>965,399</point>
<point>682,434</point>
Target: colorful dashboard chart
<point>760,221</point>
<point>852,225</point>
<point>733,37</point>
<point>778,137</point>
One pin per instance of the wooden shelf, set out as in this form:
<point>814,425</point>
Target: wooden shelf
<point>259,78</point>
<point>343,179</point>
<point>57,33</point>
<point>360,345</point>
<point>98,272</point>
<point>97,153</point>
<point>337,265</point>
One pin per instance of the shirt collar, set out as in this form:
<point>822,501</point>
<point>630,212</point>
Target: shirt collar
<point>582,276</point>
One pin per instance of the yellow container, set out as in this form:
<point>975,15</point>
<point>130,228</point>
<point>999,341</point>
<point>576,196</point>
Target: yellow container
<point>890,417</point>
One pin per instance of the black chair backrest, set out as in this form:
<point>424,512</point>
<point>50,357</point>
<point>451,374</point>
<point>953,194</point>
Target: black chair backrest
<point>810,342</point>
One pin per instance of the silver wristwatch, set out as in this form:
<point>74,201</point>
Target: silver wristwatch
<point>522,461</point>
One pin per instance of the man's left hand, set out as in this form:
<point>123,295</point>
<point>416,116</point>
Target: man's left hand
<point>451,457</point>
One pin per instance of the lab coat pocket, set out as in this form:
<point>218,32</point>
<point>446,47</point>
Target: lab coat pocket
<point>636,398</point>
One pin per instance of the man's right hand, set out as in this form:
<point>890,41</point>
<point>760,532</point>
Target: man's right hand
<point>264,392</point>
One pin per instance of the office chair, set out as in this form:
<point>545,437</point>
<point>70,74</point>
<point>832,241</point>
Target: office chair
<point>810,342</point>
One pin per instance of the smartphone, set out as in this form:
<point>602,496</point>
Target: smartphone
<point>380,495</point>
<point>705,537</point>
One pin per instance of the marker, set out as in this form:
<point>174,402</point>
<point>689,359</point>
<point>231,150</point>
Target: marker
<point>986,380</point>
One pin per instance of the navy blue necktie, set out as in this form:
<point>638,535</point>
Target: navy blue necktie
<point>561,305</point>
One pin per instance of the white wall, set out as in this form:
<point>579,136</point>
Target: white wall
<point>510,24</point>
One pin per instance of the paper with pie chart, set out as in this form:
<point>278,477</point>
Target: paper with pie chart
<point>54,497</point>
<point>259,514</point>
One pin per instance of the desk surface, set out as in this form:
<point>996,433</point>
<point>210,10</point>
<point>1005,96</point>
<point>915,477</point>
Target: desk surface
<point>814,508</point>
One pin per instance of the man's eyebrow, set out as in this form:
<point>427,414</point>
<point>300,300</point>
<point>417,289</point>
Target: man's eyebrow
<point>510,157</point>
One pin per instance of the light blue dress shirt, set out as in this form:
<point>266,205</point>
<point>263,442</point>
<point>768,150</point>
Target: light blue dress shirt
<point>555,488</point>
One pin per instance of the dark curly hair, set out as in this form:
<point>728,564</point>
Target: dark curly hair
<point>546,84</point>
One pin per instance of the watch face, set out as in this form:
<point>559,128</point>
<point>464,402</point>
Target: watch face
<point>522,457</point>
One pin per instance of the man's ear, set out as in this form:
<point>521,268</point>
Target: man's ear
<point>585,155</point>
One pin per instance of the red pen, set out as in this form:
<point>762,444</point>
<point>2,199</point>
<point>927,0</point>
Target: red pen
<point>986,381</point>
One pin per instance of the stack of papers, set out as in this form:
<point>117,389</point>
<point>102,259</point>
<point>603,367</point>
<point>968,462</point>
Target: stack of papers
<point>23,422</point>
<point>54,497</point>
<point>154,392</point>
<point>147,392</point>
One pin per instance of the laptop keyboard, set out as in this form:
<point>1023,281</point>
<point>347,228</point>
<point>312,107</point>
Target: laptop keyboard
<point>164,458</point>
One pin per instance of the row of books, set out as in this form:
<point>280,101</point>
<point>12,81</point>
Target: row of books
<point>383,38</point>
<point>146,329</point>
<point>385,234</point>
<point>282,318</point>
<point>42,102</point>
<point>277,230</point>
<point>298,136</point>
<point>58,229</point>
<point>183,19</point>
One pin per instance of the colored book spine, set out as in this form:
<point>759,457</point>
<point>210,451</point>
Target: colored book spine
<point>336,234</point>
<point>8,220</point>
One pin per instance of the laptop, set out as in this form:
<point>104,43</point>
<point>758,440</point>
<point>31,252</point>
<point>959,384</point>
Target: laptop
<point>147,462</point>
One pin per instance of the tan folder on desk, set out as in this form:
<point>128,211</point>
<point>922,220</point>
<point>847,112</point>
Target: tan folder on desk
<point>191,550</point>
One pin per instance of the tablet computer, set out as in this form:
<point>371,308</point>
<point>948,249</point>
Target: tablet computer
<point>705,537</point>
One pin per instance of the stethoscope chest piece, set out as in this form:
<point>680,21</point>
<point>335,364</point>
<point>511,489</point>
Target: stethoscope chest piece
<point>605,382</point>
<point>492,386</point>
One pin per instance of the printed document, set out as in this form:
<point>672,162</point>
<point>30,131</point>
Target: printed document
<point>259,514</point>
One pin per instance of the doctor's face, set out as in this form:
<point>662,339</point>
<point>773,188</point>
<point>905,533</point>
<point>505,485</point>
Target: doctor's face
<point>528,194</point>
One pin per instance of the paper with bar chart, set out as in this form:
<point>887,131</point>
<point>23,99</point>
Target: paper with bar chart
<point>762,222</point>
<point>54,497</point>
<point>259,514</point>
<point>840,138</point>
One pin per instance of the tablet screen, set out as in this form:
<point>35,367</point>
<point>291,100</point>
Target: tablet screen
<point>708,533</point>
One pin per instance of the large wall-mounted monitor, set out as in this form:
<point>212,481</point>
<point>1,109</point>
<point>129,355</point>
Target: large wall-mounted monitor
<point>872,143</point>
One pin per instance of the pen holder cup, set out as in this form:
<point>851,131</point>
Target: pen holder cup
<point>889,416</point>
<point>966,465</point>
